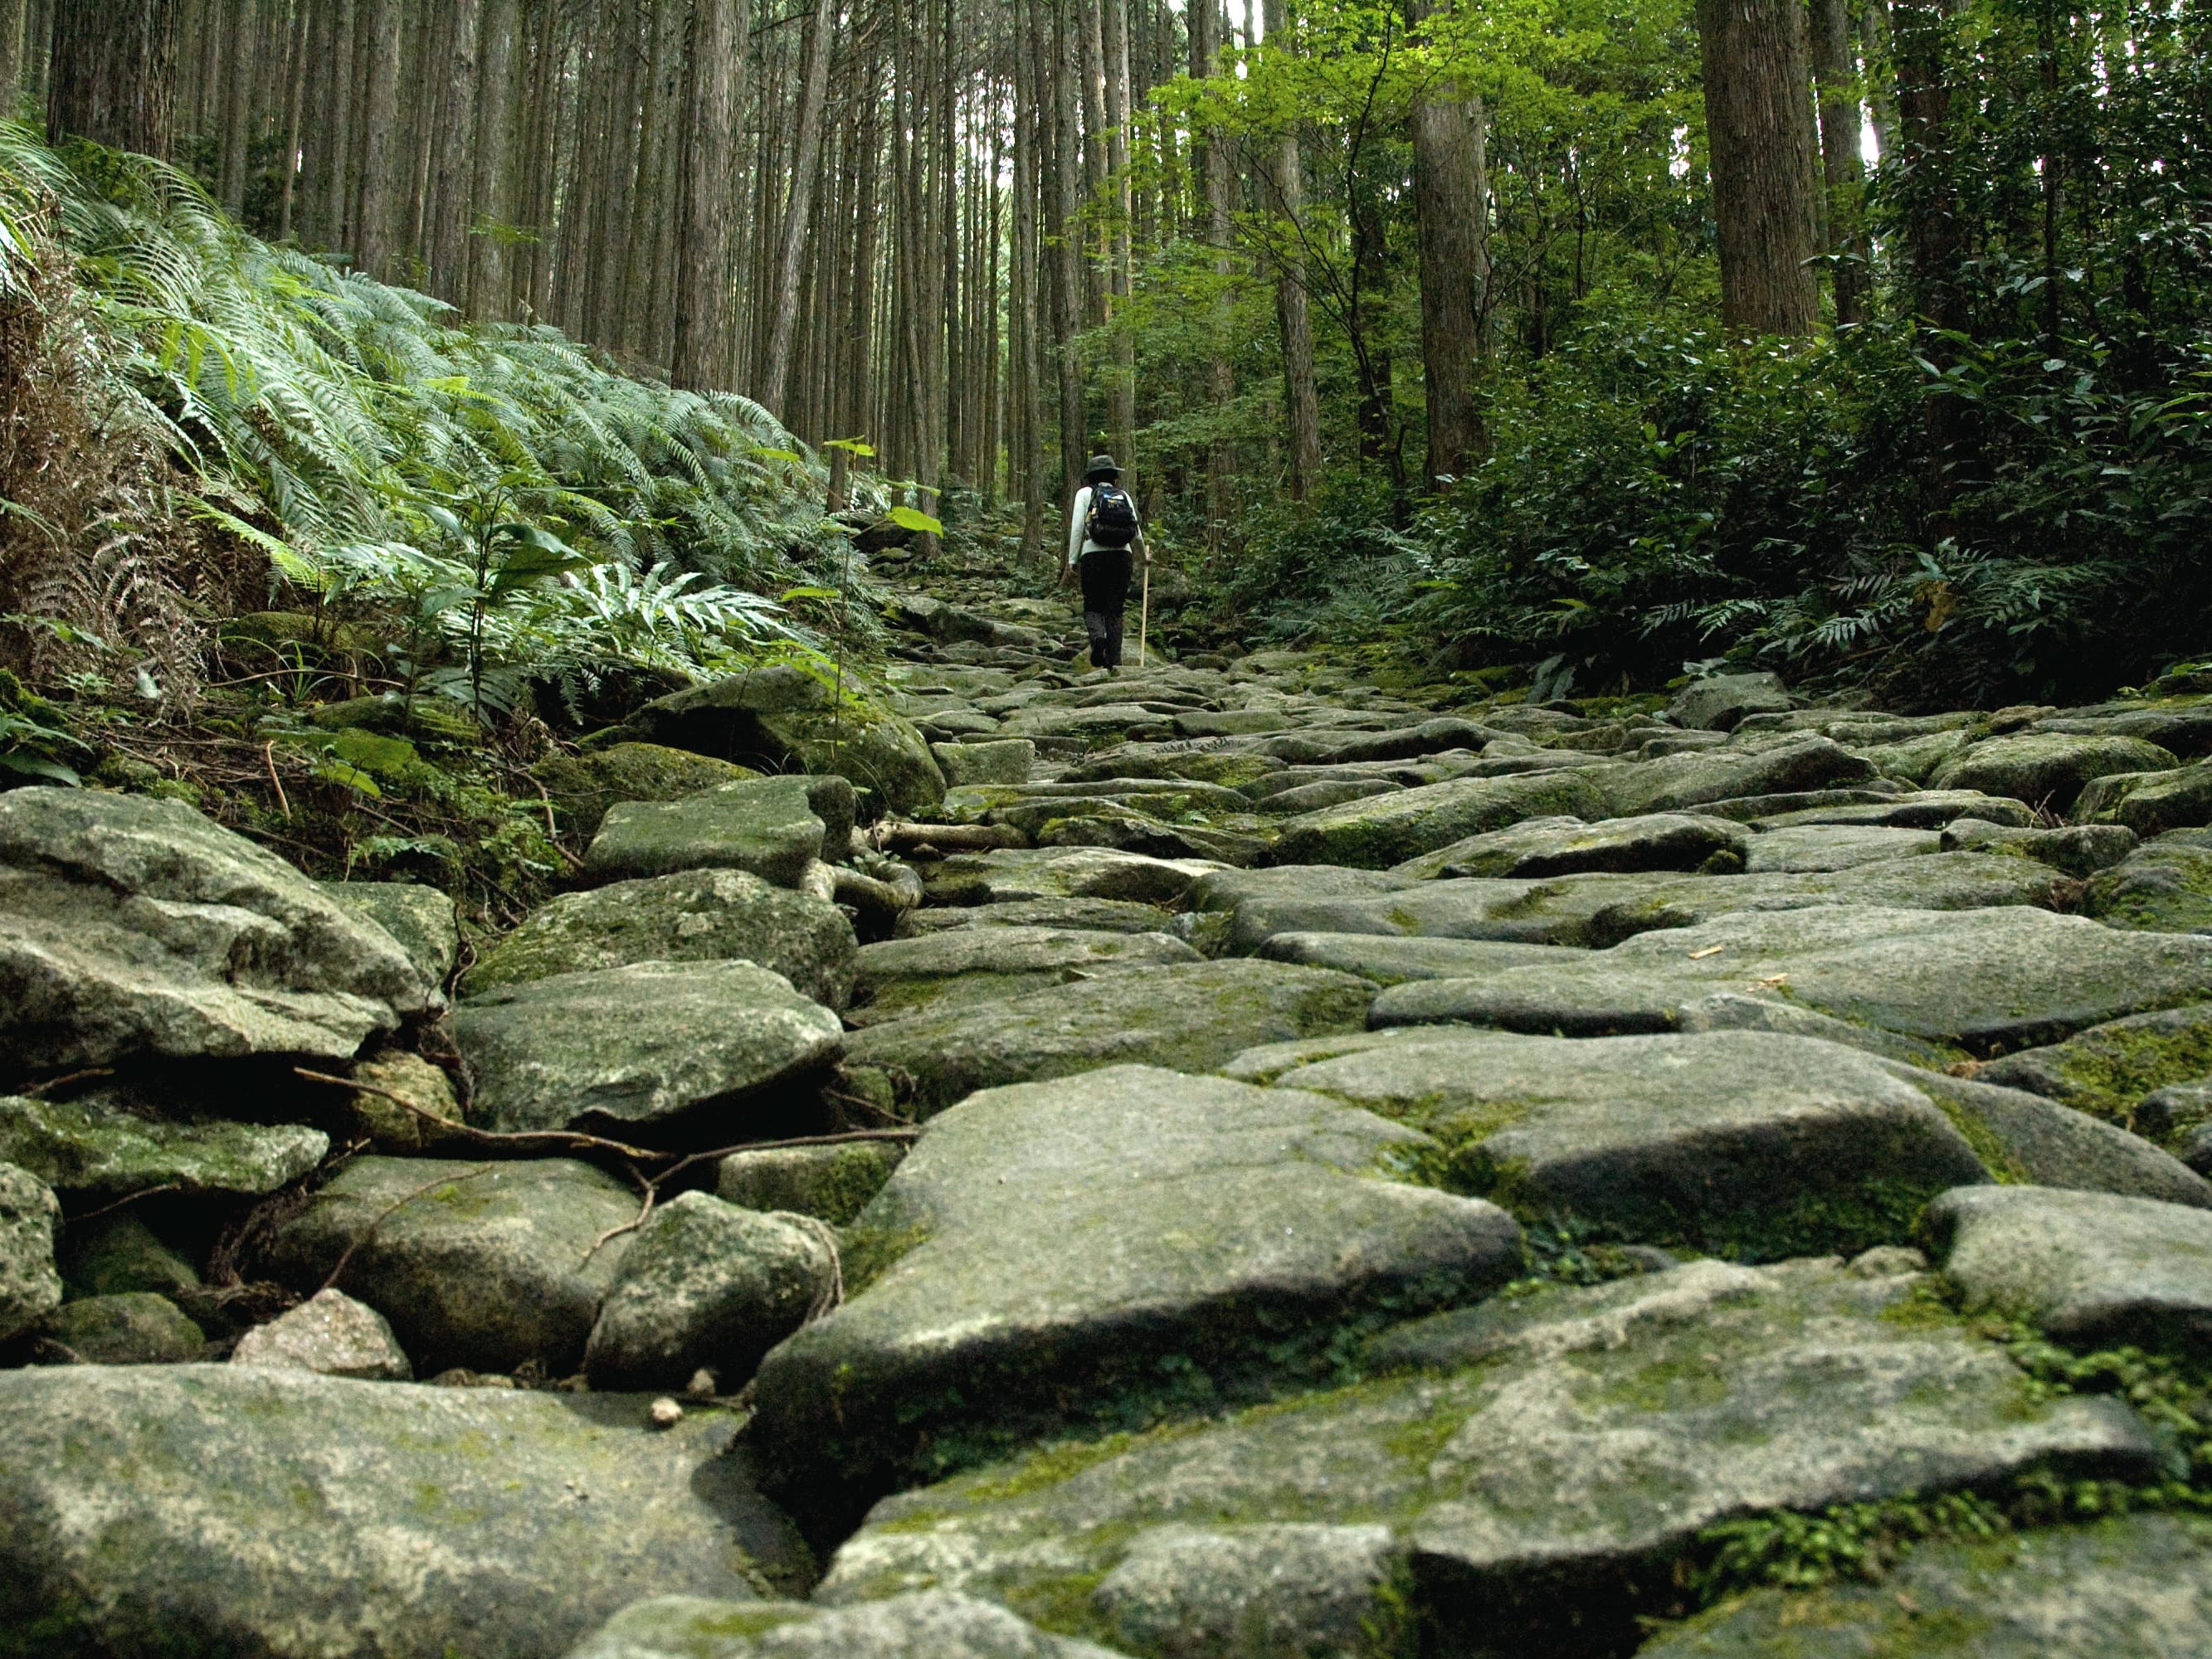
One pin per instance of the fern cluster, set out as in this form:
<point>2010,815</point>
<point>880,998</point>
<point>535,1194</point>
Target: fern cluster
<point>334,426</point>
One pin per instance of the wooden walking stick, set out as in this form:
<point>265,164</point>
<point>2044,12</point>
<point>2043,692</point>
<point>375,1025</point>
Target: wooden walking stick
<point>1145,613</point>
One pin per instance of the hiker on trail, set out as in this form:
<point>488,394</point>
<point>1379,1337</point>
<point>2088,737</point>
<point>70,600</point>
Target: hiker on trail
<point>1103,534</point>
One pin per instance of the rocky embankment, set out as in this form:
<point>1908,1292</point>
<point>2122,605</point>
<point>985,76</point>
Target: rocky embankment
<point>1213,1161</point>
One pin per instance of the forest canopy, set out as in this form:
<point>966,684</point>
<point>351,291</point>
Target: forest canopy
<point>1564,342</point>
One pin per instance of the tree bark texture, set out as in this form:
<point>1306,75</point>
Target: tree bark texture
<point>1449,206</point>
<point>1842,173</point>
<point>701,346</point>
<point>1758,122</point>
<point>112,74</point>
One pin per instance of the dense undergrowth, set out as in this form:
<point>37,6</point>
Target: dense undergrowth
<point>1997,489</point>
<point>303,549</point>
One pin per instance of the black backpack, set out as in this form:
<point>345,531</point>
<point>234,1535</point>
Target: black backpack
<point>1113,521</point>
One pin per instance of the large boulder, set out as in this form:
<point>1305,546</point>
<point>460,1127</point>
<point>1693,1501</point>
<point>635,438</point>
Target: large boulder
<point>2163,886</point>
<point>1542,1467</point>
<point>1566,846</point>
<point>940,971</point>
<point>784,718</point>
<point>2091,1268</point>
<point>133,929</point>
<point>927,1625</point>
<point>134,1327</point>
<point>2149,803</point>
<point>2136,1587</point>
<point>30,1284</point>
<point>235,1509</point>
<point>765,826</point>
<point>699,916</point>
<point>707,1285</point>
<point>1811,848</point>
<point>1750,1144</point>
<point>2046,768</point>
<point>583,786</point>
<point>1985,980</point>
<point>485,1265</point>
<point>1389,829</point>
<point>2108,1070</point>
<point>1191,1017</point>
<point>1010,875</point>
<point>676,1045</point>
<point>102,1152</point>
<point>1720,703</point>
<point>421,918</point>
<point>1676,783</point>
<point>1101,1251</point>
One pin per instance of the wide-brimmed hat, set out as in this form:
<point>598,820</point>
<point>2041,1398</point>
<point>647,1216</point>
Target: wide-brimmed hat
<point>1102,463</point>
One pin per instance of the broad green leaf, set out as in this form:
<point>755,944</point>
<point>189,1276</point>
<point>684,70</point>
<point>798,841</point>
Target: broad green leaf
<point>908,518</point>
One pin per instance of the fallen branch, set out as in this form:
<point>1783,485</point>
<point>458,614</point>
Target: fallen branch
<point>692,1160</point>
<point>566,1140</point>
<point>345,1256</point>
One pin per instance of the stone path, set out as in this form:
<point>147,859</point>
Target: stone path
<point>1246,1164</point>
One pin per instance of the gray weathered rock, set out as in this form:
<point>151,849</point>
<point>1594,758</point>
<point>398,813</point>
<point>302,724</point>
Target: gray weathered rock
<point>486,1266</point>
<point>108,1255</point>
<point>135,1327</point>
<point>1562,846</point>
<point>421,918</point>
<point>1391,961</point>
<point>1681,782</point>
<point>1045,1250</point>
<point>85,1146</point>
<point>1009,875</point>
<point>2080,850</point>
<point>134,929</point>
<point>2046,768</point>
<point>1003,760</point>
<point>1540,1464</point>
<point>699,916</point>
<point>927,1625</point>
<point>582,786</point>
<point>1191,1017</point>
<point>1269,1587</point>
<point>230,1509</point>
<point>2149,803</point>
<point>2107,1070</point>
<point>830,1183</point>
<point>1808,849</point>
<point>705,1284</point>
<point>937,972</point>
<point>783,719</point>
<point>1375,835</point>
<point>396,1076</point>
<point>2163,886</point>
<point>1982,979</point>
<point>328,1334</point>
<point>1718,703</point>
<point>1326,792</point>
<point>654,1042</point>
<point>1095,916</point>
<point>1927,809</point>
<point>2090,1268</point>
<point>1746,1144</point>
<point>2137,1588</point>
<point>764,826</point>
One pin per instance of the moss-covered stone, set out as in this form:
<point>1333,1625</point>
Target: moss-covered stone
<point>581,786</point>
<point>2163,886</point>
<point>696,916</point>
<point>830,1183</point>
<point>188,1509</point>
<point>1389,829</point>
<point>2108,1069</point>
<point>2139,1586</point>
<point>1100,1252</point>
<point>30,1216</point>
<point>432,720</point>
<point>1543,1462</point>
<point>134,1327</point>
<point>2046,770</point>
<point>101,1152</point>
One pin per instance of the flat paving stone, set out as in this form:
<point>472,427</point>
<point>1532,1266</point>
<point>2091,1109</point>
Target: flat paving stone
<point>1101,1252</point>
<point>1541,1465</point>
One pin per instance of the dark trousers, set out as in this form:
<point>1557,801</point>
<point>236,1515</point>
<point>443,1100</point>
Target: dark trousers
<point>1105,574</point>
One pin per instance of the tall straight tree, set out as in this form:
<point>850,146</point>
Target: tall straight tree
<point>1286,175</point>
<point>112,74</point>
<point>1843,172</point>
<point>702,351</point>
<point>452,180</point>
<point>492,183</point>
<point>805,160</point>
<point>1759,123</point>
<point>376,118</point>
<point>1449,190</point>
<point>1205,37</point>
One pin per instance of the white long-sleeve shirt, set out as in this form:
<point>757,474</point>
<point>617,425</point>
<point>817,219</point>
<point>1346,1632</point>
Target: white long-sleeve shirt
<point>1078,542</point>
